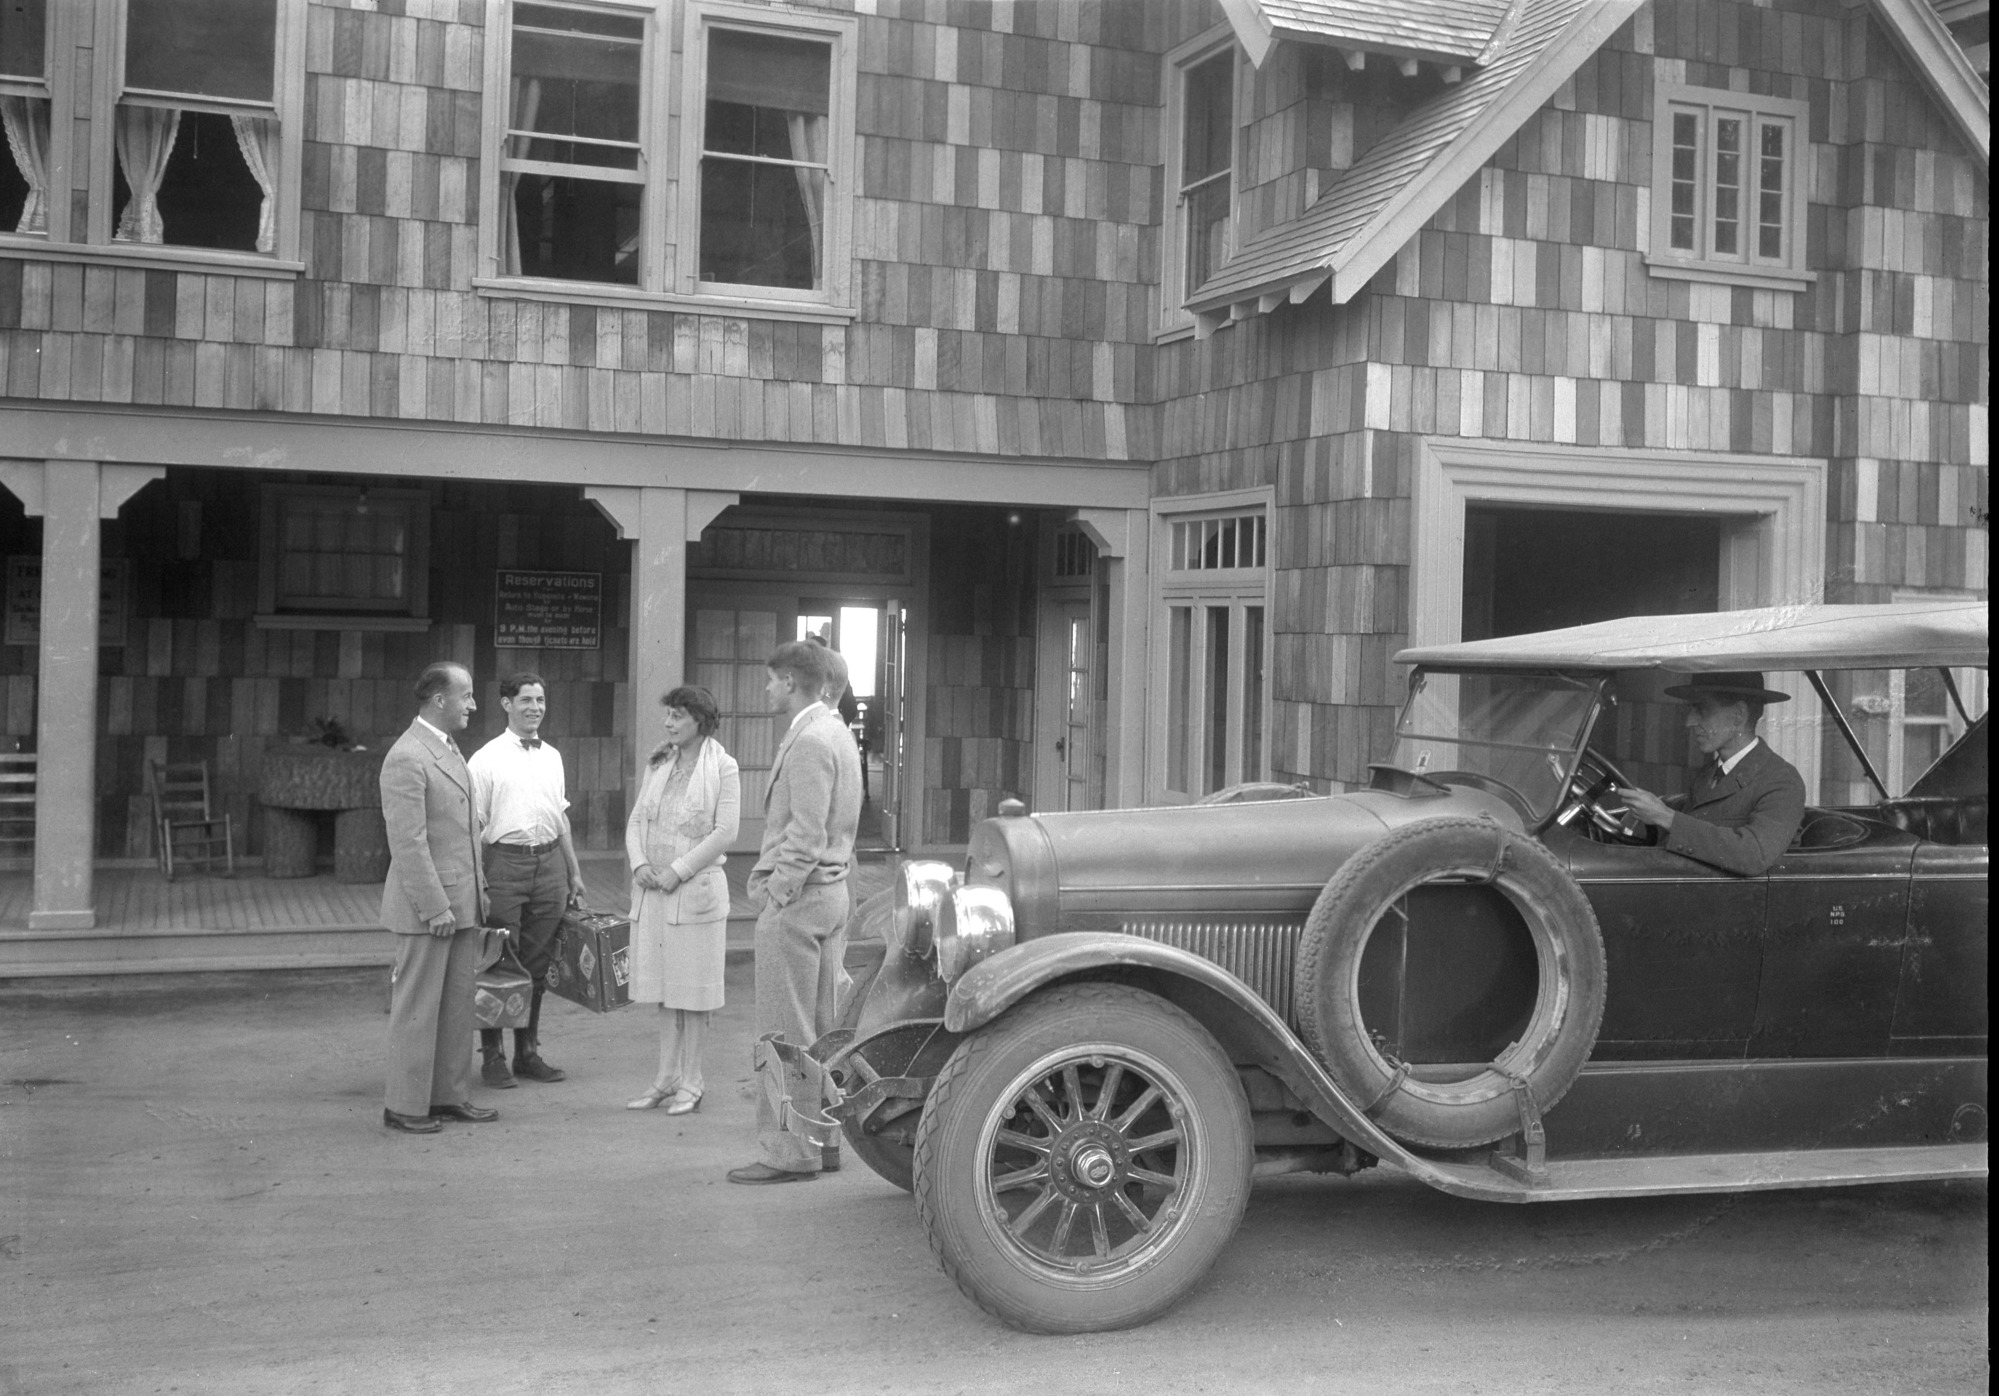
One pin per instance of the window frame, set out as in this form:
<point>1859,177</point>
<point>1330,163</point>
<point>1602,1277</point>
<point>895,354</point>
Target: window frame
<point>1202,590</point>
<point>654,131</point>
<point>842,34</point>
<point>274,612</point>
<point>1789,272</point>
<point>57,37</point>
<point>107,73</point>
<point>1173,316</point>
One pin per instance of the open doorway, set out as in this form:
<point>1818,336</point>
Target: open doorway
<point>868,634</point>
<point>1529,569</point>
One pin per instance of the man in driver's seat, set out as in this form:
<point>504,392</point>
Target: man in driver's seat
<point>1746,802</point>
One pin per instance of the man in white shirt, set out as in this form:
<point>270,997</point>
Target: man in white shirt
<point>532,874</point>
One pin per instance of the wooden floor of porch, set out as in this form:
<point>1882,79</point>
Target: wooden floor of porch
<point>207,921</point>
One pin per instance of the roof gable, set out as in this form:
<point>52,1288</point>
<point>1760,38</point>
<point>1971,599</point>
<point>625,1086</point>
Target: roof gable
<point>1952,78</point>
<point>1365,217</point>
<point>1449,31</point>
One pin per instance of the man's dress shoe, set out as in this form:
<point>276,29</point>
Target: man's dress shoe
<point>466,1111</point>
<point>761,1172</point>
<point>411,1124</point>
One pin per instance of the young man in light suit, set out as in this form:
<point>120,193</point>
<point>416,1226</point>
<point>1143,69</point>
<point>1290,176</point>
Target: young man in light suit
<point>799,885</point>
<point>434,901</point>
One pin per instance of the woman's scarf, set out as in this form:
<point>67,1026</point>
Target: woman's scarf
<point>703,789</point>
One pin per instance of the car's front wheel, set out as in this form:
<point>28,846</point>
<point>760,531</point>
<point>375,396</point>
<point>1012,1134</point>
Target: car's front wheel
<point>1082,1161</point>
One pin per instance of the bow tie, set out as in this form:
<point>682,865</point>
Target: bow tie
<point>530,743</point>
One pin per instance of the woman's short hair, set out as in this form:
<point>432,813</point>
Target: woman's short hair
<point>698,703</point>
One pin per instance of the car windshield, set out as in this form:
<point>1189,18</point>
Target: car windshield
<point>1521,731</point>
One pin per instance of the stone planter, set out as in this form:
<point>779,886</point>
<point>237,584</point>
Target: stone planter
<point>299,779</point>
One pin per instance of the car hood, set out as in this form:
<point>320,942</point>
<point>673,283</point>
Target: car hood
<point>1073,871</point>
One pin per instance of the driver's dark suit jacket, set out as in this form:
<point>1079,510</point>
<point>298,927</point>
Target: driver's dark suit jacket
<point>1743,820</point>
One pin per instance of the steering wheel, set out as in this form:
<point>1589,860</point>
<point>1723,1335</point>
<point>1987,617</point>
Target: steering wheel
<point>1593,791</point>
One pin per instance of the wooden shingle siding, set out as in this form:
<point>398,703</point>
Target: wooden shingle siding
<point>1524,311</point>
<point>1006,227</point>
<point>198,679</point>
<point>1007,190</point>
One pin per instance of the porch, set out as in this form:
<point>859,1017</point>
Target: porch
<point>202,921</point>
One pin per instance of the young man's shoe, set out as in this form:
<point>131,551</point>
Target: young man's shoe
<point>494,1073</point>
<point>761,1172</point>
<point>535,1069</point>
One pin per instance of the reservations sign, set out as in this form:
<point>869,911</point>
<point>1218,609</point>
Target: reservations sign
<point>548,610</point>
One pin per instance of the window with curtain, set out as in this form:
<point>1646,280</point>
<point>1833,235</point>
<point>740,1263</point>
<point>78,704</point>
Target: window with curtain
<point>1727,181</point>
<point>24,117</point>
<point>195,132</point>
<point>573,160</point>
<point>765,173</point>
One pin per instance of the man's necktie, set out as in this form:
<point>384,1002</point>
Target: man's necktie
<point>530,743</point>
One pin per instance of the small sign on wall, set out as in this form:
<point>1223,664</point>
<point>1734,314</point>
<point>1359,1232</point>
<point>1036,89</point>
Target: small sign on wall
<point>548,610</point>
<point>24,600</point>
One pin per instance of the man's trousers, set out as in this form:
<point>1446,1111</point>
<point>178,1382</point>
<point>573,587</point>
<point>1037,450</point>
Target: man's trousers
<point>431,1022</point>
<point>799,952</point>
<point>527,891</point>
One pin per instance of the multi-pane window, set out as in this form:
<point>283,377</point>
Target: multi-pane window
<point>764,153</point>
<point>1207,167</point>
<point>24,116</point>
<point>1906,719</point>
<point>1728,181</point>
<point>359,551</point>
<point>1201,125</point>
<point>1214,596</point>
<point>1075,555</point>
<point>573,159</point>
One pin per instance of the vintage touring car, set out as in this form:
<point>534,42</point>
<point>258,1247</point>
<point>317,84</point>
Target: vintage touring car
<point>1078,1052</point>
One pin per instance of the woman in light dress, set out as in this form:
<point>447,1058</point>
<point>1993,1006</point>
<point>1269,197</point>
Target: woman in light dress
<point>686,816</point>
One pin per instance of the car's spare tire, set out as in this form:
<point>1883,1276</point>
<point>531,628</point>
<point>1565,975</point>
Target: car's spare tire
<point>1560,1027</point>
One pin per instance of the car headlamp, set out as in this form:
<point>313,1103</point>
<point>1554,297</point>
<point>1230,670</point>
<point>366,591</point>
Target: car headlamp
<point>975,923</point>
<point>922,892</point>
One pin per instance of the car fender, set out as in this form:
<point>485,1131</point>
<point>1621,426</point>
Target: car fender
<point>1247,1027</point>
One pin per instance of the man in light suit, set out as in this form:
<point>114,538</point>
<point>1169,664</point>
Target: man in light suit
<point>1746,802</point>
<point>434,901</point>
<point>799,885</point>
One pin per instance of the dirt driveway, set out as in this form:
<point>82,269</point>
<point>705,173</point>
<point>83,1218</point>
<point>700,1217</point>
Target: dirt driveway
<point>196,1195</point>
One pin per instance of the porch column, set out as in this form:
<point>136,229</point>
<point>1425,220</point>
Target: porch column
<point>71,497</point>
<point>1124,543</point>
<point>660,521</point>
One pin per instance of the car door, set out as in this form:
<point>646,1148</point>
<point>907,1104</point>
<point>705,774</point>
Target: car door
<point>1832,960</point>
<point>1683,946</point>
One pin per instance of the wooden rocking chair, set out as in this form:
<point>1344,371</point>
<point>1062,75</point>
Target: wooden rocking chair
<point>185,824</point>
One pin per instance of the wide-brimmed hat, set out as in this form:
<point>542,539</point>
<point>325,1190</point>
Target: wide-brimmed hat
<point>1745,685</point>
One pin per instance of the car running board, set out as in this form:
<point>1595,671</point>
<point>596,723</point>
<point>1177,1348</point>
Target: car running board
<point>1573,1180</point>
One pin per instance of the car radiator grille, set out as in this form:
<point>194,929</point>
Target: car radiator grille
<point>1260,952</point>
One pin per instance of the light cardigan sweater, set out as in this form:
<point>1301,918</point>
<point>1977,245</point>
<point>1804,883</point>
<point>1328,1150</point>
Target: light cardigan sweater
<point>691,836</point>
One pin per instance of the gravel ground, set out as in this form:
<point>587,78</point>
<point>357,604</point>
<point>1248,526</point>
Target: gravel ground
<point>196,1195</point>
